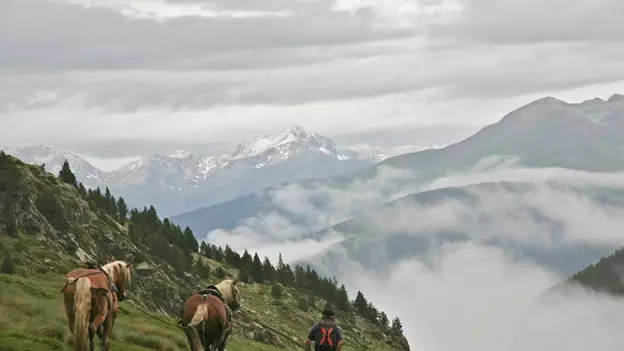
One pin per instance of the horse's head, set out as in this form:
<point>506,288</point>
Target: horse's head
<point>229,291</point>
<point>120,274</point>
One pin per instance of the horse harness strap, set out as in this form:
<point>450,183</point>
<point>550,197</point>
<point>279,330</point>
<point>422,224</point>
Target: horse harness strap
<point>112,286</point>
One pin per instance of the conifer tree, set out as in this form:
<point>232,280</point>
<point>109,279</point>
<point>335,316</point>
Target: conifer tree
<point>108,198</point>
<point>360,304</point>
<point>205,250</point>
<point>191,242</point>
<point>256,269</point>
<point>66,175</point>
<point>280,262</point>
<point>268,271</point>
<point>383,319</point>
<point>122,210</point>
<point>82,190</point>
<point>342,299</point>
<point>246,261</point>
<point>112,207</point>
<point>397,327</point>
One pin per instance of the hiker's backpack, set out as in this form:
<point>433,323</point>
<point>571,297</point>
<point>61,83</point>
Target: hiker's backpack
<point>326,337</point>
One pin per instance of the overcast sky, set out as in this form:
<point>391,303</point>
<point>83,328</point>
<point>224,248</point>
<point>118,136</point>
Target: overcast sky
<point>141,76</point>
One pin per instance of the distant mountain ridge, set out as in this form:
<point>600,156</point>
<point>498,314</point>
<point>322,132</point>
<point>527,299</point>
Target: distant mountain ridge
<point>548,132</point>
<point>183,181</point>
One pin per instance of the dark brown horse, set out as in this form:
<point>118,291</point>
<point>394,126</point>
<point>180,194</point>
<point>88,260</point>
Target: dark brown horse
<point>206,317</point>
<point>91,297</point>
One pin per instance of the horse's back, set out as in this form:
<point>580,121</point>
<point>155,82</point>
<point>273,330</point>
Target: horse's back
<point>97,278</point>
<point>216,308</point>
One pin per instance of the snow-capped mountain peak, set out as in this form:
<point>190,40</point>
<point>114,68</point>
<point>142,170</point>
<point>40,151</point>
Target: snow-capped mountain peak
<point>290,142</point>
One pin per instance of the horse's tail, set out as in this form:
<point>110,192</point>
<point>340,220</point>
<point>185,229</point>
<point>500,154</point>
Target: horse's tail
<point>82,310</point>
<point>200,315</point>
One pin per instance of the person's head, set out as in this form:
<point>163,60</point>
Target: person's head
<point>328,312</point>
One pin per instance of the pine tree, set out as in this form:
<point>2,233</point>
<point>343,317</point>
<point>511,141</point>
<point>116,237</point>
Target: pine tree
<point>397,327</point>
<point>280,262</point>
<point>256,269</point>
<point>205,250</point>
<point>372,313</point>
<point>122,210</point>
<point>112,207</point>
<point>191,242</point>
<point>82,190</point>
<point>268,271</point>
<point>66,175</point>
<point>246,261</point>
<point>360,304</point>
<point>342,299</point>
<point>108,198</point>
<point>383,319</point>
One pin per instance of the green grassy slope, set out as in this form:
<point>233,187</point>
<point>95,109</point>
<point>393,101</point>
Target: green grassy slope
<point>48,227</point>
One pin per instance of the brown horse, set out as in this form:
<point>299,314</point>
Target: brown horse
<point>91,297</point>
<point>206,316</point>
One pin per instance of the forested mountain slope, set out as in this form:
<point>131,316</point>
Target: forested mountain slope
<point>50,225</point>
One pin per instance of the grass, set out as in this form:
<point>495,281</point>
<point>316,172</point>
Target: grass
<point>32,318</point>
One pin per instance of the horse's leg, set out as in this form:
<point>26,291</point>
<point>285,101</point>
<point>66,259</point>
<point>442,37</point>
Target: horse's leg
<point>104,331</point>
<point>189,338</point>
<point>194,339</point>
<point>225,339</point>
<point>91,339</point>
<point>100,320</point>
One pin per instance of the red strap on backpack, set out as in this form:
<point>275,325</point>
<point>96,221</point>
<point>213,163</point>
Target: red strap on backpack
<point>327,336</point>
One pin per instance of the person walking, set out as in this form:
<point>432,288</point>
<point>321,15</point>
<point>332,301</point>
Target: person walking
<point>326,333</point>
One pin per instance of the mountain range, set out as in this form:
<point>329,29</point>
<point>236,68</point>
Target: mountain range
<point>542,140</point>
<point>184,181</point>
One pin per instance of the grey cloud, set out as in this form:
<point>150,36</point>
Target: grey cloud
<point>536,21</point>
<point>503,72</point>
<point>472,295</point>
<point>478,298</point>
<point>99,38</point>
<point>525,218</point>
<point>250,5</point>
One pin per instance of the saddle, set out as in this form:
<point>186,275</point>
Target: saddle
<point>212,290</point>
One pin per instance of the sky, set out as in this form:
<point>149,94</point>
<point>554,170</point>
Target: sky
<point>468,295</point>
<point>115,79</point>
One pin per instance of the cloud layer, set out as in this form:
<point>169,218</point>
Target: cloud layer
<point>204,66</point>
<point>470,295</point>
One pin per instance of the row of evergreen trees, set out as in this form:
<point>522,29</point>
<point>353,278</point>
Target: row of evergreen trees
<point>175,246</point>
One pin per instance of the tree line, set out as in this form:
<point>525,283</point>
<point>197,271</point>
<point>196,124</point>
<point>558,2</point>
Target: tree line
<point>175,246</point>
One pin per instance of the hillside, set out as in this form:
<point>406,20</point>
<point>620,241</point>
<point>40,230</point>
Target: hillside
<point>605,275</point>
<point>50,225</point>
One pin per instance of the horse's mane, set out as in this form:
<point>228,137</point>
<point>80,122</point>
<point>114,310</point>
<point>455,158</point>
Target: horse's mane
<point>226,288</point>
<point>117,270</point>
